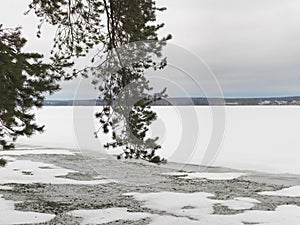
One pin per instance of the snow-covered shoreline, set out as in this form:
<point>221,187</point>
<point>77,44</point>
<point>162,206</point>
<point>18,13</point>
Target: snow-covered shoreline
<point>62,187</point>
<point>64,176</point>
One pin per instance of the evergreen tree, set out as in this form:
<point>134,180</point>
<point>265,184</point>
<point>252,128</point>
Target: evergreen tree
<point>110,25</point>
<point>23,80</point>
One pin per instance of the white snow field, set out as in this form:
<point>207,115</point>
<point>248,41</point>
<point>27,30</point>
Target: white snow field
<point>261,138</point>
<point>11,216</point>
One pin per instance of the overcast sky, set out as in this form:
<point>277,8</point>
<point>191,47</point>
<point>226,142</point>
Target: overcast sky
<point>252,46</point>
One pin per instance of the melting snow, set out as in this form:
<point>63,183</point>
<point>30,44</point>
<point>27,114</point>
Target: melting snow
<point>240,203</point>
<point>194,205</point>
<point>6,188</point>
<point>197,209</point>
<point>283,215</point>
<point>192,209</point>
<point>11,216</point>
<point>288,192</point>
<point>25,171</point>
<point>101,216</point>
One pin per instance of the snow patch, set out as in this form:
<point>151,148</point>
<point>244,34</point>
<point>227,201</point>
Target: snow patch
<point>6,188</point>
<point>205,220</point>
<point>26,172</point>
<point>197,209</point>
<point>288,192</point>
<point>171,220</point>
<point>101,216</point>
<point>11,216</point>
<point>283,215</point>
<point>192,205</point>
<point>240,203</point>
<point>191,209</point>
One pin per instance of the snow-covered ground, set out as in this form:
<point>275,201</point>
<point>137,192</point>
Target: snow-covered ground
<point>161,207</point>
<point>101,216</point>
<point>28,172</point>
<point>261,138</point>
<point>192,209</point>
<point>11,216</point>
<point>19,171</point>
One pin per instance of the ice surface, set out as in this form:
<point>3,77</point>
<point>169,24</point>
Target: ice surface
<point>261,138</point>
<point>101,216</point>
<point>256,137</point>
<point>288,192</point>
<point>62,132</point>
<point>209,176</point>
<point>11,216</point>
<point>26,171</point>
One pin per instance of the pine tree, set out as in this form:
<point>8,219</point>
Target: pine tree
<point>23,80</point>
<point>110,25</point>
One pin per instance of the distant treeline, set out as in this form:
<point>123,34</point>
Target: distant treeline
<point>189,101</point>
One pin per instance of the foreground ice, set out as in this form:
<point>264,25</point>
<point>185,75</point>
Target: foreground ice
<point>11,216</point>
<point>101,216</point>
<point>288,192</point>
<point>26,172</point>
<point>209,176</point>
<point>267,142</point>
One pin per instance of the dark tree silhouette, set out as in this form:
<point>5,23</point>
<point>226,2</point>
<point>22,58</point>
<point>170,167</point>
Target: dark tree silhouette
<point>23,80</point>
<point>82,26</point>
<point>109,25</point>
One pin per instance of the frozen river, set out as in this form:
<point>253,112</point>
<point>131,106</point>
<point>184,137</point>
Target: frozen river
<point>260,138</point>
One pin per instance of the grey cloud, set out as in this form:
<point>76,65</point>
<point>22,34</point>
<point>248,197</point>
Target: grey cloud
<point>251,45</point>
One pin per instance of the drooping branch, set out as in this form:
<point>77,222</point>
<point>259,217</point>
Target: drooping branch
<point>23,80</point>
<point>130,46</point>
